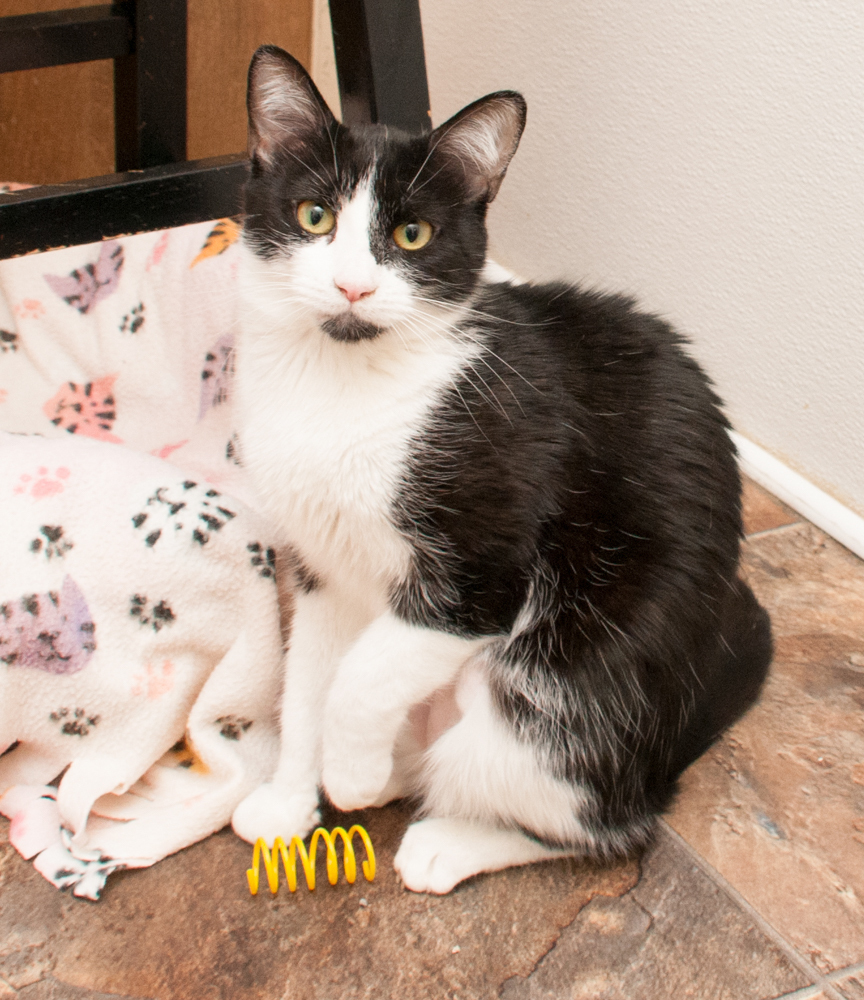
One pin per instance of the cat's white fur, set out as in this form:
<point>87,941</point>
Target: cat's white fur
<point>326,430</point>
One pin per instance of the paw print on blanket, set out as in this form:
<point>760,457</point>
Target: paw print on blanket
<point>52,543</point>
<point>232,727</point>
<point>30,309</point>
<point>186,506</point>
<point>156,681</point>
<point>183,755</point>
<point>42,483</point>
<point>263,560</point>
<point>86,409</point>
<point>305,579</point>
<point>156,616</point>
<point>216,374</point>
<point>133,320</point>
<point>62,869</point>
<point>8,342</point>
<point>36,829</point>
<point>86,285</point>
<point>51,632</point>
<point>232,450</point>
<point>74,721</point>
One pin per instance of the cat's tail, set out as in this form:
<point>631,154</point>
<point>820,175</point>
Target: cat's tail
<point>737,659</point>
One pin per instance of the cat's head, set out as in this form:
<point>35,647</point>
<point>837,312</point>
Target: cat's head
<point>368,228</point>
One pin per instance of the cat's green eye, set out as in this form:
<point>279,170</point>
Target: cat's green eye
<point>412,235</point>
<point>316,219</point>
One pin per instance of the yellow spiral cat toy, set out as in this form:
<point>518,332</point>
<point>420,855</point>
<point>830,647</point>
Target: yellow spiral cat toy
<point>307,859</point>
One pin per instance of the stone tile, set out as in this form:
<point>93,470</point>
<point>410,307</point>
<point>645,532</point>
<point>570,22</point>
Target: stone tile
<point>188,928</point>
<point>52,989</point>
<point>851,987</point>
<point>778,805</point>
<point>762,511</point>
<point>676,934</point>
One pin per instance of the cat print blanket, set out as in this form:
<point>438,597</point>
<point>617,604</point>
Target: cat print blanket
<point>128,341</point>
<point>139,650</point>
<point>139,634</point>
<point>138,613</point>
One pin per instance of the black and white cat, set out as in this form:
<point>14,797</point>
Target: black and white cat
<point>515,507</point>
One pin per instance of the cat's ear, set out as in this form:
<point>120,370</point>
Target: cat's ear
<point>481,139</point>
<point>285,106</point>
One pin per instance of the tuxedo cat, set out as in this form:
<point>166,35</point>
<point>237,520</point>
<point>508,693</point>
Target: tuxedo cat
<point>514,508</point>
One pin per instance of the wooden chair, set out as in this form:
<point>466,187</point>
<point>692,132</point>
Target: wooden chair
<point>382,78</point>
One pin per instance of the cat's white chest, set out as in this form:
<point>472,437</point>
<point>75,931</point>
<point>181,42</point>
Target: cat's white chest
<point>327,431</point>
<point>327,468</point>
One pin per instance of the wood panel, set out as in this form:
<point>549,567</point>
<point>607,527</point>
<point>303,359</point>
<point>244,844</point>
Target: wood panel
<point>223,34</point>
<point>58,124</point>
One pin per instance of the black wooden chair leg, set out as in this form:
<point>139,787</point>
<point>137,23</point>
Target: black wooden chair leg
<point>380,63</point>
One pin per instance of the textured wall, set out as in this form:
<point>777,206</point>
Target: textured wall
<point>708,158</point>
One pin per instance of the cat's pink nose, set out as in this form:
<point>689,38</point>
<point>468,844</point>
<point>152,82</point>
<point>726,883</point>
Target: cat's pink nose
<point>355,292</point>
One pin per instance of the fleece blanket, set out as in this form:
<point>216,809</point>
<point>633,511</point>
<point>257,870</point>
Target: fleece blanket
<point>128,341</point>
<point>139,627</point>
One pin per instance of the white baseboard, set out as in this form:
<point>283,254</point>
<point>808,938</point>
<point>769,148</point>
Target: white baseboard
<point>799,493</point>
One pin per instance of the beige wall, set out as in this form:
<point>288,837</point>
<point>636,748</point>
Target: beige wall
<point>708,158</point>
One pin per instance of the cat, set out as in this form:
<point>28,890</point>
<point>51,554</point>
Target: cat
<point>514,508</point>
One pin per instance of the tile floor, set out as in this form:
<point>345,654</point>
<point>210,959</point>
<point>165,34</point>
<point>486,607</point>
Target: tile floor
<point>754,888</point>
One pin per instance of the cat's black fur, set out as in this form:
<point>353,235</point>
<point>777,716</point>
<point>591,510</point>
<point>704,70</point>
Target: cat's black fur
<point>586,467</point>
<point>579,477</point>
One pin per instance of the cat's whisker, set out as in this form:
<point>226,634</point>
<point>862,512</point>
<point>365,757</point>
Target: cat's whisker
<point>503,381</point>
<point>453,380</point>
<point>428,179</point>
<point>302,163</point>
<point>494,318</point>
<point>478,340</point>
<point>333,148</point>
<point>484,349</point>
<point>432,149</point>
<point>491,398</point>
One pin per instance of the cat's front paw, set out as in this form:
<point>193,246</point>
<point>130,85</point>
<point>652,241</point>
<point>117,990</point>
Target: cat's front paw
<point>356,781</point>
<point>271,813</point>
<point>437,854</point>
<point>431,857</point>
